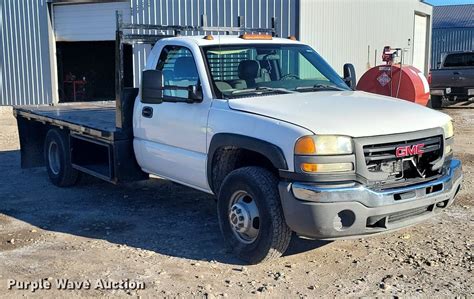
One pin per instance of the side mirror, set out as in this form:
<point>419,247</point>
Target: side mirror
<point>350,75</point>
<point>153,90</point>
<point>152,87</point>
<point>194,94</point>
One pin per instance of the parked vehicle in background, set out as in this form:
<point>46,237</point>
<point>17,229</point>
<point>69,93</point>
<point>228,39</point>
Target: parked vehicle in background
<point>267,126</point>
<point>454,79</point>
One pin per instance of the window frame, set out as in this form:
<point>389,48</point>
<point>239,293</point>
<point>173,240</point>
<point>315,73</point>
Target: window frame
<point>199,81</point>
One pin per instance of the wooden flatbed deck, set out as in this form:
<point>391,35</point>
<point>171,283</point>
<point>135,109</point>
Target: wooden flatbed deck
<point>96,119</point>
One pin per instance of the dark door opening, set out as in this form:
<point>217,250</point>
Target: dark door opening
<point>86,70</point>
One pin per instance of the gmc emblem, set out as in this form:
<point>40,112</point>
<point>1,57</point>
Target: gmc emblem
<point>406,151</point>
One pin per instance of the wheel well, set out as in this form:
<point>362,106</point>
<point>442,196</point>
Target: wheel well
<point>229,158</point>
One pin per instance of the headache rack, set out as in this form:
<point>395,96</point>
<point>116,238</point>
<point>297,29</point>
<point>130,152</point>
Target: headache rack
<point>128,33</point>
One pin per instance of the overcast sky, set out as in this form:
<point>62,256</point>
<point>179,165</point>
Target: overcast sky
<point>449,2</point>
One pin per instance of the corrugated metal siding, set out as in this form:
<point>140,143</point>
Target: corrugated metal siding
<point>69,24</point>
<point>448,40</point>
<point>257,13</point>
<point>351,31</point>
<point>25,53</point>
<point>453,16</point>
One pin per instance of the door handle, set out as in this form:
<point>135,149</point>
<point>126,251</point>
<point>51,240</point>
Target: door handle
<point>147,112</point>
<point>456,73</point>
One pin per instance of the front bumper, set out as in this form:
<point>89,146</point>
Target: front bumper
<point>322,212</point>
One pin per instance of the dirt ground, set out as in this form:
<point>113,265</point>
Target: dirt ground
<point>166,236</point>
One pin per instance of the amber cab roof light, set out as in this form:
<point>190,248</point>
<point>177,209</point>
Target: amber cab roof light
<point>250,36</point>
<point>209,37</point>
<point>292,37</point>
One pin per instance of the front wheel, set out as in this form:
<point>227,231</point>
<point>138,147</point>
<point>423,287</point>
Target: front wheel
<point>250,215</point>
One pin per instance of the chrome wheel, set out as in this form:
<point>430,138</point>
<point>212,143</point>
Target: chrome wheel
<point>53,157</point>
<point>244,217</point>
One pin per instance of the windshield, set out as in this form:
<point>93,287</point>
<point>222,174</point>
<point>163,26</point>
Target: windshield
<point>245,70</point>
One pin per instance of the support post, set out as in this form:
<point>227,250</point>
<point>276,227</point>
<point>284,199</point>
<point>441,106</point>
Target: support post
<point>240,21</point>
<point>274,26</point>
<point>118,71</point>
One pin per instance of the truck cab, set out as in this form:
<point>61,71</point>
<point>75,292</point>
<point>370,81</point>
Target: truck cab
<point>267,126</point>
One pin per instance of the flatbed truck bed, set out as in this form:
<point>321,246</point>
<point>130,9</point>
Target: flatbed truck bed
<point>100,136</point>
<point>95,119</point>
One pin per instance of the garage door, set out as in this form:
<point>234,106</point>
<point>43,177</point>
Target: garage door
<point>420,43</point>
<point>88,22</point>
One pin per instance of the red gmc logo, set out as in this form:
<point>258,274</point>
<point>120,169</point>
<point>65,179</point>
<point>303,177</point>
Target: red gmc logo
<point>406,151</point>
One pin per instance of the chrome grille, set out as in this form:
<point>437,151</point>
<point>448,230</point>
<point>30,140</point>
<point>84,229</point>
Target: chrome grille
<point>381,159</point>
<point>381,152</point>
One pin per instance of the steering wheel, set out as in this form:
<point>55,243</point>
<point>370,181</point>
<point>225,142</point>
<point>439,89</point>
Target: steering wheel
<point>289,76</point>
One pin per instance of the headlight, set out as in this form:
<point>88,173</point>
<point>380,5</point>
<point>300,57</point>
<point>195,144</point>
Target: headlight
<point>448,129</point>
<point>323,145</point>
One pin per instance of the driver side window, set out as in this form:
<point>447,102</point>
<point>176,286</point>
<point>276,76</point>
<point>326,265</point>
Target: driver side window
<point>179,69</point>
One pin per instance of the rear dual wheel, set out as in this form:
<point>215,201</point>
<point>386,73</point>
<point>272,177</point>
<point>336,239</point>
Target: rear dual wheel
<point>57,157</point>
<point>250,215</point>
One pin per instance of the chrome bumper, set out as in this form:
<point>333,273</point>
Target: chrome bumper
<point>336,212</point>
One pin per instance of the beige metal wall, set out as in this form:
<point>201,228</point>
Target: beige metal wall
<point>352,30</point>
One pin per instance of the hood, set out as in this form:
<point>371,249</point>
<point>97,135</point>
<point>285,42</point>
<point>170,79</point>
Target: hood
<point>349,113</point>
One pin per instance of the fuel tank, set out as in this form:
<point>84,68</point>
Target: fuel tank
<point>399,81</point>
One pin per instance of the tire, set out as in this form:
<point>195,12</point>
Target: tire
<point>436,102</point>
<point>57,157</point>
<point>256,187</point>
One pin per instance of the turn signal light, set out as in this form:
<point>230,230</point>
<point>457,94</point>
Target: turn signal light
<point>309,167</point>
<point>305,146</point>
<point>256,36</point>
<point>330,167</point>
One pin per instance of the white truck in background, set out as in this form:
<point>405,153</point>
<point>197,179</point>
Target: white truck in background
<point>269,128</point>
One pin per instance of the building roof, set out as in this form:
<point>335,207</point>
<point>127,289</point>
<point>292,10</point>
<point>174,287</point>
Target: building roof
<point>453,16</point>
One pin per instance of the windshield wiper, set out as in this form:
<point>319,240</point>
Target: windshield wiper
<point>261,89</point>
<point>318,87</point>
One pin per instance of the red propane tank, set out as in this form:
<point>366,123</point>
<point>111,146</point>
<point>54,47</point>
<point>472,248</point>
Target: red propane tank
<point>405,82</point>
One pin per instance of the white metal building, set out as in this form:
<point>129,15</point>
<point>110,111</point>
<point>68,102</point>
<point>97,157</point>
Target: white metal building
<point>47,44</point>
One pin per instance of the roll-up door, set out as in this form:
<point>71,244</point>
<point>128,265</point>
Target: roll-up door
<point>88,22</point>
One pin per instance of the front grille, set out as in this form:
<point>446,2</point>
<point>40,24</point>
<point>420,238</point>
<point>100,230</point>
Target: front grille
<point>381,159</point>
<point>382,221</point>
<point>400,216</point>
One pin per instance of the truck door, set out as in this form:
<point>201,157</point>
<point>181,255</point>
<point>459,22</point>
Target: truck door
<point>170,138</point>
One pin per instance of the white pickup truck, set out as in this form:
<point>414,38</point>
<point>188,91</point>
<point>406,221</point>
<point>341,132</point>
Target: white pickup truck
<point>269,128</point>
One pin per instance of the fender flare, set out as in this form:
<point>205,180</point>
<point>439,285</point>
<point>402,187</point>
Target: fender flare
<point>265,148</point>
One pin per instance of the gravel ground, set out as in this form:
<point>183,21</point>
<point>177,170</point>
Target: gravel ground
<point>167,237</point>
